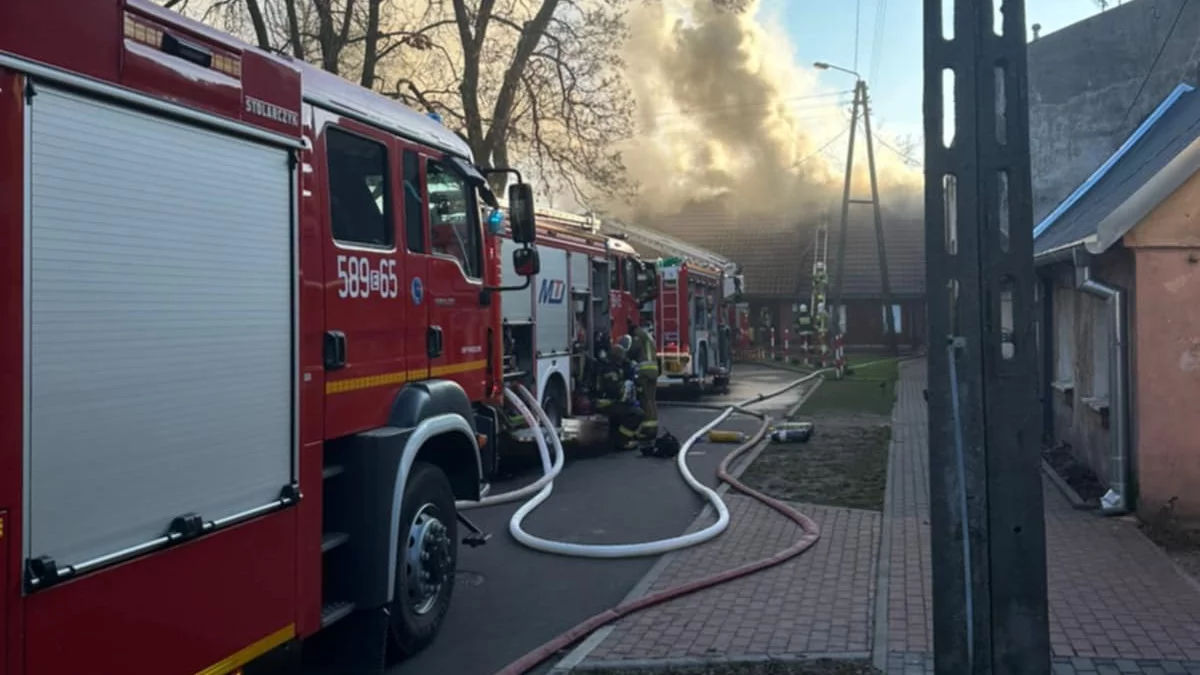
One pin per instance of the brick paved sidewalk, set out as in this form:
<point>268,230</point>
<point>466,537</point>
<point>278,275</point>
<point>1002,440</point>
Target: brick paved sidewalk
<point>1117,604</point>
<point>819,604</point>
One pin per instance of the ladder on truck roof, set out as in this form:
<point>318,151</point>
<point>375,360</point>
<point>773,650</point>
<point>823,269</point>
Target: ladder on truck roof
<point>674,247</point>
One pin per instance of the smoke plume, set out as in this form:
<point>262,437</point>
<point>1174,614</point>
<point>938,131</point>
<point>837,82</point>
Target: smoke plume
<point>723,112</point>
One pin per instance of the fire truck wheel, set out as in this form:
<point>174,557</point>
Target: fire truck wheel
<point>428,558</point>
<point>552,403</point>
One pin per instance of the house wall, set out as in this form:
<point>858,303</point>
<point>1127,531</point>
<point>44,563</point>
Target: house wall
<point>1079,340</point>
<point>1166,247</point>
<point>1084,83</point>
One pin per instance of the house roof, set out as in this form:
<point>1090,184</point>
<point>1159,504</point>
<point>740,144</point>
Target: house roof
<point>1162,153</point>
<point>776,256</point>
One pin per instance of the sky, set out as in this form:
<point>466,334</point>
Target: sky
<point>824,30</point>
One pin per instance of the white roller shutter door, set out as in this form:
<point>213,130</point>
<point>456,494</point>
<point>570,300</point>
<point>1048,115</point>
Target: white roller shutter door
<point>160,366</point>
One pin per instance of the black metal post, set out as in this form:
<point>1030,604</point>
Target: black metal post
<point>989,597</point>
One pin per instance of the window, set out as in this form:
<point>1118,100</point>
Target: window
<point>1064,336</point>
<point>895,318</point>
<point>615,274</point>
<point>631,277</point>
<point>414,204</point>
<point>453,220</point>
<point>360,203</point>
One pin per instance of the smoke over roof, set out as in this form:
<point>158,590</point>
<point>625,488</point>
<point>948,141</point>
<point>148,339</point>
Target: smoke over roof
<point>724,111</point>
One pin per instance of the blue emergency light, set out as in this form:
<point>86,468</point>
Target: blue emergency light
<point>434,116</point>
<point>495,221</point>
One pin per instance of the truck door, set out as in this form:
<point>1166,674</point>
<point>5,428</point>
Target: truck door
<point>458,320</point>
<point>366,358</point>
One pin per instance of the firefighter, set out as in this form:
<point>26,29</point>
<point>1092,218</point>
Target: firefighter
<point>617,398</point>
<point>646,360</point>
<point>804,326</point>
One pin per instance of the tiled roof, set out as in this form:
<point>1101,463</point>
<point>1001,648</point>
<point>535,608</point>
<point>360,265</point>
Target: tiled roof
<point>776,257</point>
<point>1167,132</point>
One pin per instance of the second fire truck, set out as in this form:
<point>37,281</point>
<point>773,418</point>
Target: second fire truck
<point>586,294</point>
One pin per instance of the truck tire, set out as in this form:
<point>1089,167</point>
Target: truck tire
<point>427,559</point>
<point>554,404</point>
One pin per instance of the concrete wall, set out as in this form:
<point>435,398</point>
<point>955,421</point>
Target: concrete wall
<point>1166,432</point>
<point>1083,80</point>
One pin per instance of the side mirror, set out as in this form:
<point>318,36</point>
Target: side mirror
<point>520,213</point>
<point>526,262</point>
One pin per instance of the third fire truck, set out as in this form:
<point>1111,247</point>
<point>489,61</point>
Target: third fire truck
<point>693,312</point>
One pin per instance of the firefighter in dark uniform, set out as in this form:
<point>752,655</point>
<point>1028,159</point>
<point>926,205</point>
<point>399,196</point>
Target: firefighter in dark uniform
<point>644,356</point>
<point>616,397</point>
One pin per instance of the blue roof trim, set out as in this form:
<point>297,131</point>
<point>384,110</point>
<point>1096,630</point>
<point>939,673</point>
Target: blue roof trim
<point>1108,164</point>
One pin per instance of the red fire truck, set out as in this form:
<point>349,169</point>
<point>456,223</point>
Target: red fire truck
<point>695,342</point>
<point>250,351</point>
<point>582,298</point>
<point>694,331</point>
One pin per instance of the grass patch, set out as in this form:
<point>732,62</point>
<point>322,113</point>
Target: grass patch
<point>873,367</point>
<point>816,667</point>
<point>841,465</point>
<point>852,395</point>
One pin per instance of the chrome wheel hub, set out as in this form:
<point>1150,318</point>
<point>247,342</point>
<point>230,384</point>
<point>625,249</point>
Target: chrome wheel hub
<point>428,565</point>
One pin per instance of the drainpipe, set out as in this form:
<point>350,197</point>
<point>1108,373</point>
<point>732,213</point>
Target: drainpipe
<point>1115,502</point>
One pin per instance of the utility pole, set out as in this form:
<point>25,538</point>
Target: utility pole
<point>861,102</point>
<point>988,543</point>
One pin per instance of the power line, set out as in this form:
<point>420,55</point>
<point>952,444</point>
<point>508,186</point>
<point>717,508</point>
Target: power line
<point>857,26</point>
<point>877,41</point>
<point>821,149</point>
<point>1161,48</point>
<point>903,155</point>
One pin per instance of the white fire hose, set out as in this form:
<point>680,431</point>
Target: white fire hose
<point>545,485</point>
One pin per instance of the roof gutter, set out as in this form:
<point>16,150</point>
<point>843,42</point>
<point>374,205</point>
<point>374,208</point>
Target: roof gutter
<point>1064,253</point>
<point>1116,501</point>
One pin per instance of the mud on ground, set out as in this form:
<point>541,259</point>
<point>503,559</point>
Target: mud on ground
<point>843,464</point>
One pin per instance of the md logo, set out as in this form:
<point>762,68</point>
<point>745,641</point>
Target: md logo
<point>552,292</point>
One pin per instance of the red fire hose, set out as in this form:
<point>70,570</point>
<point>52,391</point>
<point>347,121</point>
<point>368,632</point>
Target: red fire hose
<point>544,652</point>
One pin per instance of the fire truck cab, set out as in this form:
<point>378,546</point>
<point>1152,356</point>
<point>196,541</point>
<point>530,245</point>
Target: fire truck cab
<point>249,356</point>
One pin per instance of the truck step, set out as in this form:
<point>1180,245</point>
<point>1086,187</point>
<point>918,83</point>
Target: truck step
<point>333,612</point>
<point>332,540</point>
<point>332,470</point>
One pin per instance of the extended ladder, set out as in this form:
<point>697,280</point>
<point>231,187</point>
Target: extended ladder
<point>820,283</point>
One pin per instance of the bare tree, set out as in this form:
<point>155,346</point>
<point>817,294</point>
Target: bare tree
<point>344,37</point>
<point>535,81</point>
<point>532,82</point>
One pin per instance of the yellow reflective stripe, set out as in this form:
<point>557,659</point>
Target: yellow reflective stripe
<point>402,376</point>
<point>627,432</point>
<point>242,657</point>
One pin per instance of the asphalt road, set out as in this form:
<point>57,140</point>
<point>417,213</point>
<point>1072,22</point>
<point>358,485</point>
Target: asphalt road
<point>510,599</point>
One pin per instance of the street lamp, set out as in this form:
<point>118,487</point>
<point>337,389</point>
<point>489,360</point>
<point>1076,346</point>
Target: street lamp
<point>836,307</point>
<point>821,65</point>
